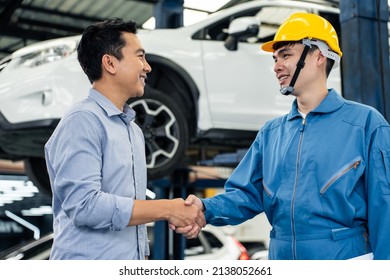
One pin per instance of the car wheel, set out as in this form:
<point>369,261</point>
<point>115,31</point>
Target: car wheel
<point>165,130</point>
<point>36,171</point>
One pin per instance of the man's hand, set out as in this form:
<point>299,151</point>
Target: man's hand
<point>190,231</point>
<point>187,217</point>
<point>192,199</point>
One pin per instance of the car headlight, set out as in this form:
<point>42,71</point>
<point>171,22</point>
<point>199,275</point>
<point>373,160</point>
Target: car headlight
<point>45,55</point>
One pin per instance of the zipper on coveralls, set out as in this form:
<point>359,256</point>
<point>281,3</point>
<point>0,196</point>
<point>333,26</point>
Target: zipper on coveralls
<point>353,165</point>
<point>294,245</point>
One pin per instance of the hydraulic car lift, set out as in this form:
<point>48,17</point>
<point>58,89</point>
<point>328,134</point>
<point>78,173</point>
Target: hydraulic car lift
<point>169,245</point>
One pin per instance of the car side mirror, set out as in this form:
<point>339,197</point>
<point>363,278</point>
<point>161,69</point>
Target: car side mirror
<point>240,28</point>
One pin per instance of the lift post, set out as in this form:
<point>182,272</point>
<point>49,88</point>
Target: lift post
<point>169,245</point>
<point>169,13</point>
<point>365,46</point>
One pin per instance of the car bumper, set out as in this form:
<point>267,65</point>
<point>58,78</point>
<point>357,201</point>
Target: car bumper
<point>26,139</point>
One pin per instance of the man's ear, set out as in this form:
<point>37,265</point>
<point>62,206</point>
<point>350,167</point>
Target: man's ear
<point>321,58</point>
<point>108,63</point>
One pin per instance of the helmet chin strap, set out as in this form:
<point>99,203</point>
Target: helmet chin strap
<point>301,63</point>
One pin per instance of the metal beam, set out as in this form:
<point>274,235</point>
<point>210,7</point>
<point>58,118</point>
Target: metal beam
<point>365,45</point>
<point>18,32</point>
<point>47,12</point>
<point>169,13</point>
<point>9,9</point>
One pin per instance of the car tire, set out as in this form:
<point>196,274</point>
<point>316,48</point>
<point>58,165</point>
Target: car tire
<point>165,130</point>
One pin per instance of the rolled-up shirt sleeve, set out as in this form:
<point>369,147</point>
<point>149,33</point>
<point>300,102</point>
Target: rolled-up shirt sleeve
<point>76,157</point>
<point>97,169</point>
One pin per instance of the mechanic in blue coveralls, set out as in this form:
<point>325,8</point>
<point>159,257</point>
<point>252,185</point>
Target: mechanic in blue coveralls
<point>321,173</point>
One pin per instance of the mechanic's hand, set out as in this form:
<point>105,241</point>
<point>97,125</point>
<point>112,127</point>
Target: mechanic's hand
<point>187,217</point>
<point>192,199</point>
<point>190,231</point>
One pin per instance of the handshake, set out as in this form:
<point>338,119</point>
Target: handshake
<point>187,218</point>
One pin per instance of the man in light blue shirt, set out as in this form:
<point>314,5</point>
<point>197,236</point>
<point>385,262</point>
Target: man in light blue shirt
<point>96,157</point>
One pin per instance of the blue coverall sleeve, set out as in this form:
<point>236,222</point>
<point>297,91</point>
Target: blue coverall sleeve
<point>378,193</point>
<point>242,199</point>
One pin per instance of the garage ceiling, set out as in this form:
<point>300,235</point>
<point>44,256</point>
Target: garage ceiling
<point>23,22</point>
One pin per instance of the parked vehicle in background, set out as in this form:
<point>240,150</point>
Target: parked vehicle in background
<point>211,85</point>
<point>34,250</point>
<point>211,244</point>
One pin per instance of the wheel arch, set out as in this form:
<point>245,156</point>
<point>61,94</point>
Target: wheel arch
<point>173,71</point>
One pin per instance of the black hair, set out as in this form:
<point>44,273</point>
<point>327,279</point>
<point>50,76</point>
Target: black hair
<point>329,62</point>
<point>102,38</point>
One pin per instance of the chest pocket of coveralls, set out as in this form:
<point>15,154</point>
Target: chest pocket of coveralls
<point>345,174</point>
<point>382,165</point>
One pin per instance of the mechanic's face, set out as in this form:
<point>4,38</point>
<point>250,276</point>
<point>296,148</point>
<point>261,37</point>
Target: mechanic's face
<point>286,59</point>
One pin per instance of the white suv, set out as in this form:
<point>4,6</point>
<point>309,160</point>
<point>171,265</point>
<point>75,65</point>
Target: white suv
<point>210,84</point>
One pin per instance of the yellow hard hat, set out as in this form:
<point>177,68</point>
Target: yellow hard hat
<point>302,25</point>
